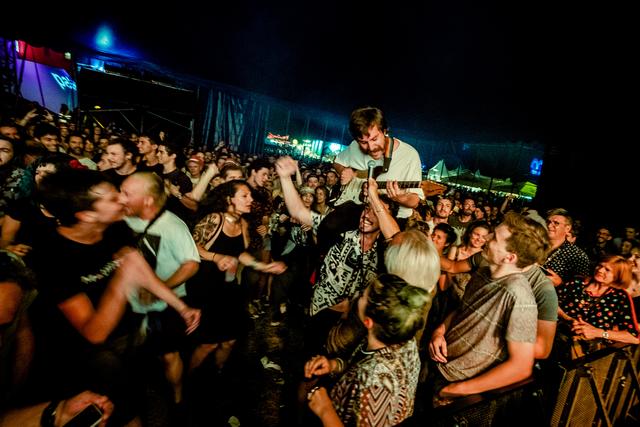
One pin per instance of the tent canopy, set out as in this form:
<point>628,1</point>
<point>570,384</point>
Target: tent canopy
<point>463,176</point>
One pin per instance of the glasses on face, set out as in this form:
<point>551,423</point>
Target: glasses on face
<point>554,222</point>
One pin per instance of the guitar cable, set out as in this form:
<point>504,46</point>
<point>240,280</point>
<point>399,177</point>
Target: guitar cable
<point>361,231</point>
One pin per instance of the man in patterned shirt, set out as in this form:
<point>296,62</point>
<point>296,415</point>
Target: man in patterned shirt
<point>566,260</point>
<point>353,258</point>
<point>348,264</point>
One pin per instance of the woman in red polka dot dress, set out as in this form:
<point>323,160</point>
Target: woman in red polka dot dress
<point>599,307</point>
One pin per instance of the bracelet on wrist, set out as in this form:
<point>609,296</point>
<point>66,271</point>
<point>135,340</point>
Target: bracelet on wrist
<point>213,256</point>
<point>338,369</point>
<point>48,417</point>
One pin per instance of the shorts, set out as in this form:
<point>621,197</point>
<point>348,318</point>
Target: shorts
<point>166,331</point>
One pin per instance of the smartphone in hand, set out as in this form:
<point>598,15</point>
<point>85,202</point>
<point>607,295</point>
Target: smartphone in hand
<point>88,417</point>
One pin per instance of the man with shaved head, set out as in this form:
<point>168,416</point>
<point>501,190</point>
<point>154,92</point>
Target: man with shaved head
<point>166,243</point>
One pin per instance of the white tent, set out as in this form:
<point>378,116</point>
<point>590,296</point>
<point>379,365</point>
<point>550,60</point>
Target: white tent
<point>438,172</point>
<point>459,171</point>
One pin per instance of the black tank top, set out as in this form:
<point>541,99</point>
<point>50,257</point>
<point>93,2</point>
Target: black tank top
<point>232,246</point>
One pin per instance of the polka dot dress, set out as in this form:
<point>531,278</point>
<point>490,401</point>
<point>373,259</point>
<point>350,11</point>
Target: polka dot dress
<point>611,310</point>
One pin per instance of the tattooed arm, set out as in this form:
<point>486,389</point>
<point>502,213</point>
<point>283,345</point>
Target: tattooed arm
<point>203,232</point>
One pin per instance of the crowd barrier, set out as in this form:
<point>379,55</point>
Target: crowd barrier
<point>599,389</point>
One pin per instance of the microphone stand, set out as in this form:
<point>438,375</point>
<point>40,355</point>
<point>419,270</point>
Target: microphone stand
<point>370,167</point>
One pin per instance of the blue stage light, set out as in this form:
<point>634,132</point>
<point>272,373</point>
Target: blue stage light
<point>104,37</point>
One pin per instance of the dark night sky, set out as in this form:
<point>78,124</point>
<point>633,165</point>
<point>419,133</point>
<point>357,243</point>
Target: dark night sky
<point>465,69</point>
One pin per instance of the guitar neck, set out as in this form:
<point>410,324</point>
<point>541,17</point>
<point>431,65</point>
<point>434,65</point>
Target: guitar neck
<point>401,184</point>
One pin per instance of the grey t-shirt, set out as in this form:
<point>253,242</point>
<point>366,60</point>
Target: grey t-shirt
<point>543,289</point>
<point>545,294</point>
<point>492,312</point>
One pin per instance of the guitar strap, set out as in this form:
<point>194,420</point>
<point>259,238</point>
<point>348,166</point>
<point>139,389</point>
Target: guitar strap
<point>388,152</point>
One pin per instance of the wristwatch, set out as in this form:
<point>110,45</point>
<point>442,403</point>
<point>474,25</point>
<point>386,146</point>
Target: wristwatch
<point>605,334</point>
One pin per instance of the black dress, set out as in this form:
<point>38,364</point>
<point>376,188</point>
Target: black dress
<point>221,302</point>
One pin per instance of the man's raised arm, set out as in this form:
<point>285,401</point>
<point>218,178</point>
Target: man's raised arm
<point>285,167</point>
<point>388,225</point>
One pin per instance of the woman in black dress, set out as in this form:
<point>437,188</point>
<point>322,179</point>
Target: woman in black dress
<point>222,237</point>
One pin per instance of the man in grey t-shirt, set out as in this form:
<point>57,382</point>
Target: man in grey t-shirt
<point>543,291</point>
<point>489,341</point>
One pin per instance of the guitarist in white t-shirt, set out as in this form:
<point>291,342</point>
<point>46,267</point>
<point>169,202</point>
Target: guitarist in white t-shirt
<point>399,162</point>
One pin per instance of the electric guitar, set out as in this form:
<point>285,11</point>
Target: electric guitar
<point>353,191</point>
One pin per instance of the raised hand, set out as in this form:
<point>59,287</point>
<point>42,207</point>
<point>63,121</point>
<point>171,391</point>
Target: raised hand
<point>286,166</point>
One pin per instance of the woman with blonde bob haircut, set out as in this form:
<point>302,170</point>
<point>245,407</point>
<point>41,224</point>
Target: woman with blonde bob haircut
<point>414,257</point>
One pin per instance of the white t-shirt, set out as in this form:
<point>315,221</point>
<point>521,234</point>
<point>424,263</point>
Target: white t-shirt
<point>405,166</point>
<point>171,242</point>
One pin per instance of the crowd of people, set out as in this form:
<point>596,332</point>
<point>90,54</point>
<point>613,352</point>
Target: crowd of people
<point>117,249</point>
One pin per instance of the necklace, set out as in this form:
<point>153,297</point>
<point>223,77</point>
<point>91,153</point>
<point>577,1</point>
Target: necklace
<point>230,218</point>
<point>597,293</point>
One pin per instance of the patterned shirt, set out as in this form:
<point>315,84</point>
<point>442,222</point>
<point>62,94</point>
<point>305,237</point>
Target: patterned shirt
<point>611,310</point>
<point>380,389</point>
<point>568,261</point>
<point>10,189</point>
<point>345,270</point>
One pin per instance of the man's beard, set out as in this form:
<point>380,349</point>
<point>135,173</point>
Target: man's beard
<point>371,231</point>
<point>376,155</point>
